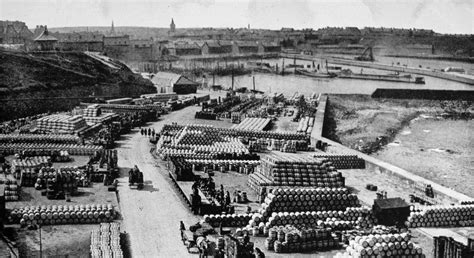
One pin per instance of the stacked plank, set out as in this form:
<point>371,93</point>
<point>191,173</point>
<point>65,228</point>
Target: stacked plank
<point>64,214</point>
<point>72,149</point>
<point>288,239</point>
<point>385,245</point>
<point>105,242</point>
<point>297,170</point>
<point>61,123</point>
<point>253,124</point>
<point>343,161</point>
<point>227,220</point>
<point>441,216</point>
<point>38,138</point>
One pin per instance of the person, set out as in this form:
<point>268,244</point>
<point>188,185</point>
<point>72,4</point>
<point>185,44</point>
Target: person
<point>141,131</point>
<point>227,198</point>
<point>259,253</point>
<point>181,225</point>
<point>153,132</point>
<point>149,131</point>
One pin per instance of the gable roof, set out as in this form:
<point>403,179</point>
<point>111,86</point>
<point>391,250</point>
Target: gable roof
<point>165,79</point>
<point>44,36</point>
<point>246,44</point>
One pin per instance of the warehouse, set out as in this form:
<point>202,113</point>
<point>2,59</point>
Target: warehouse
<point>244,47</point>
<point>178,83</point>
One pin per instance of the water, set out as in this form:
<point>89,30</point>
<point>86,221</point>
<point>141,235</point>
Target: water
<point>290,84</point>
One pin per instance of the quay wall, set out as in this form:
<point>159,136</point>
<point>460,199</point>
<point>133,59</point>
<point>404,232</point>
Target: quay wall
<point>319,119</point>
<point>442,193</point>
<point>423,94</point>
<point>447,76</point>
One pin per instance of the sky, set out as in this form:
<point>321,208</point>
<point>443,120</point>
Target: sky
<point>444,16</point>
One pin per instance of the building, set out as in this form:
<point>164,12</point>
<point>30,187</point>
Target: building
<point>15,32</point>
<point>184,49</point>
<point>80,41</point>
<point>117,46</point>
<point>216,47</point>
<point>244,47</point>
<point>45,41</point>
<point>179,84</point>
<point>268,47</point>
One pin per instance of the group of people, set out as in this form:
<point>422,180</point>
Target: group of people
<point>148,131</point>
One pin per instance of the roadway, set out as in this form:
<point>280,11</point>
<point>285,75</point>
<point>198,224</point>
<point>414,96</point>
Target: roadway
<point>151,216</point>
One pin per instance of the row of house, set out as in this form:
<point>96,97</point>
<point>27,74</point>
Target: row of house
<point>221,48</point>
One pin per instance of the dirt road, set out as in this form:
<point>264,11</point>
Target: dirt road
<point>151,216</point>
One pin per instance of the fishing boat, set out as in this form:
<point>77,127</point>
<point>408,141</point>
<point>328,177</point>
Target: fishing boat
<point>407,78</point>
<point>315,74</point>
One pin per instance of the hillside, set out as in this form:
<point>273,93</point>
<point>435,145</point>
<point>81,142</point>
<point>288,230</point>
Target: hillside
<point>42,82</point>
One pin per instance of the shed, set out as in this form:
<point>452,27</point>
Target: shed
<point>46,41</point>
<point>391,211</point>
<point>179,83</point>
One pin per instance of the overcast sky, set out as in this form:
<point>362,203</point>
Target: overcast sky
<point>445,16</point>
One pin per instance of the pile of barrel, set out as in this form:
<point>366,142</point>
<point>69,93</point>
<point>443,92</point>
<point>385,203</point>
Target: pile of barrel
<point>38,138</point>
<point>180,168</point>
<point>279,145</point>
<point>28,176</point>
<point>11,190</point>
<point>223,165</point>
<point>105,242</point>
<point>71,148</point>
<point>385,245</point>
<point>308,199</point>
<point>258,145</point>
<point>35,162</point>
<point>305,125</point>
<point>205,115</point>
<point>343,161</point>
<point>289,146</point>
<point>338,220</point>
<point>63,214</point>
<point>227,220</point>
<point>257,181</point>
<point>297,170</point>
<point>441,216</point>
<point>288,239</point>
<point>65,179</point>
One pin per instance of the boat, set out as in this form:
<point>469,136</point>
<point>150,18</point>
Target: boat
<point>348,74</point>
<point>315,74</point>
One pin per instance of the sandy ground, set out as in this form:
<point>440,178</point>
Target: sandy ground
<point>448,142</point>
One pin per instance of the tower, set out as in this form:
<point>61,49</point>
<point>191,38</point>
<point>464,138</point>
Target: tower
<point>112,29</point>
<point>172,26</point>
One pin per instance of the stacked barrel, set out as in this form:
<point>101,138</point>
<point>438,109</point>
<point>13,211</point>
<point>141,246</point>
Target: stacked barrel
<point>61,123</point>
<point>343,161</point>
<point>12,190</point>
<point>242,166</point>
<point>105,242</point>
<point>337,220</point>
<point>297,170</point>
<point>227,220</point>
<point>288,239</point>
<point>30,163</point>
<point>71,148</point>
<point>384,245</point>
<point>63,214</point>
<point>308,199</point>
<point>38,138</point>
<point>305,125</point>
<point>441,216</point>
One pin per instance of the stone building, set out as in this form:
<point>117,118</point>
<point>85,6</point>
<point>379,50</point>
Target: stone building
<point>45,41</point>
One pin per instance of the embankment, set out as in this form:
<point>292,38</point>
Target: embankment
<point>423,94</point>
<point>32,83</point>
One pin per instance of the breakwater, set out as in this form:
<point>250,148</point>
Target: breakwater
<point>423,94</point>
<point>447,76</point>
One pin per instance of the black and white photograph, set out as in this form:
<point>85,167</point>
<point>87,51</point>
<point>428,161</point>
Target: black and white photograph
<point>236,128</point>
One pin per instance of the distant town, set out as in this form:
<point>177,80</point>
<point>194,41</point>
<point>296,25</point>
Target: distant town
<point>152,44</point>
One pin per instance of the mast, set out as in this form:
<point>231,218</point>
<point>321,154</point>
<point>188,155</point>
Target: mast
<point>232,79</point>
<point>283,67</point>
<point>254,83</point>
<point>294,63</point>
<point>213,79</point>
<point>327,69</point>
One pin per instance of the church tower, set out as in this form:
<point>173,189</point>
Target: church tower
<point>172,26</point>
<point>112,30</point>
